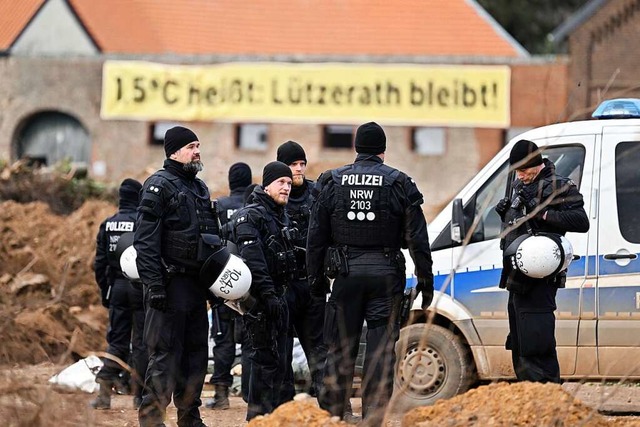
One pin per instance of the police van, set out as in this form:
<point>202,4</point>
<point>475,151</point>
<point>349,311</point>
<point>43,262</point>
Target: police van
<point>598,314</point>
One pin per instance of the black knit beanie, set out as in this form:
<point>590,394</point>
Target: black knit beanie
<point>273,171</point>
<point>370,139</point>
<point>525,154</point>
<point>176,138</point>
<point>290,152</point>
<point>130,190</point>
<point>239,175</point>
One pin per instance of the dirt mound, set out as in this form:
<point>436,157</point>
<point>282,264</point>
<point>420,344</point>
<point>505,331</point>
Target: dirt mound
<point>504,404</point>
<point>50,301</point>
<point>297,413</point>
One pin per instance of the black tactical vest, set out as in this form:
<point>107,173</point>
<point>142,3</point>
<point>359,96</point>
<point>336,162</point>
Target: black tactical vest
<point>299,211</point>
<point>189,215</point>
<point>362,209</point>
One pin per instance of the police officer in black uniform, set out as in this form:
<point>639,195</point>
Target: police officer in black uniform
<point>222,328</point>
<point>176,232</point>
<point>363,215</point>
<point>261,231</point>
<point>306,312</point>
<point>124,301</point>
<point>541,201</point>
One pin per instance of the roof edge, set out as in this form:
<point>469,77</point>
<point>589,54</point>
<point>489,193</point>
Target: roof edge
<point>191,59</point>
<point>561,32</point>
<point>84,27</point>
<point>522,52</point>
<point>24,27</point>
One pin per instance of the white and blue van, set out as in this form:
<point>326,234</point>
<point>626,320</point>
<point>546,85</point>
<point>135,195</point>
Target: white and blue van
<point>598,315</point>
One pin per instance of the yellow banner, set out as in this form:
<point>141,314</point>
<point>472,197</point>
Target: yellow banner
<point>447,95</point>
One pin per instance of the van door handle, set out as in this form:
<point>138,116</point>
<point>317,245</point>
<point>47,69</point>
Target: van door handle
<point>620,256</point>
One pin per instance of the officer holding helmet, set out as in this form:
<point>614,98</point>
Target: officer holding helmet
<point>176,233</point>
<point>363,215</point>
<point>262,234</point>
<point>541,202</point>
<point>124,300</point>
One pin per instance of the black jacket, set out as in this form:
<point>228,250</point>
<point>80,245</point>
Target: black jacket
<point>404,200</point>
<point>550,194</point>
<point>257,230</point>
<point>299,210</point>
<point>106,266</point>
<point>174,205</point>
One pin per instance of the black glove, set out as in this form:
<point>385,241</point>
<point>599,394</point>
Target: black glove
<point>503,206</point>
<point>426,287</point>
<point>105,295</point>
<point>273,307</point>
<point>319,287</point>
<point>158,297</point>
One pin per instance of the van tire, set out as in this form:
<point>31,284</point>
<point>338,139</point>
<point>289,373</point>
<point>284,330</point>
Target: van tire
<point>432,363</point>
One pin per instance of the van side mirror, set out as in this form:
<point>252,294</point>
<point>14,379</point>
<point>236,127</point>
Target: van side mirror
<point>457,222</point>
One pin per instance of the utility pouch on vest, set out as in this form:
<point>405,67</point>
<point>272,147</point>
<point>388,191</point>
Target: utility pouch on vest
<point>336,262</point>
<point>207,245</point>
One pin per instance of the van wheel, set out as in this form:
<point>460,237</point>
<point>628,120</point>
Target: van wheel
<point>431,363</point>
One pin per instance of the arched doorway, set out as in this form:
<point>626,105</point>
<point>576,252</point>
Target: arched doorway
<point>49,137</point>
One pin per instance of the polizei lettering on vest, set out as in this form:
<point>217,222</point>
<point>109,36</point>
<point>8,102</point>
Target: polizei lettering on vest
<point>119,226</point>
<point>363,179</point>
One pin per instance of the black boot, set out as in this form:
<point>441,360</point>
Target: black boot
<point>103,401</point>
<point>220,400</point>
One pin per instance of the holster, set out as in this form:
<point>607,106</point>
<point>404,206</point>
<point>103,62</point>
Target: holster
<point>336,262</point>
<point>405,308</point>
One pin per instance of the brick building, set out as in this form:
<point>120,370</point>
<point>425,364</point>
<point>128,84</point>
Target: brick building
<point>601,39</point>
<point>52,56</point>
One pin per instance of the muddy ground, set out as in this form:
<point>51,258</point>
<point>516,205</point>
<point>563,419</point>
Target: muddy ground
<point>50,316</point>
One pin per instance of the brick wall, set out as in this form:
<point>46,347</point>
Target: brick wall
<point>605,57</point>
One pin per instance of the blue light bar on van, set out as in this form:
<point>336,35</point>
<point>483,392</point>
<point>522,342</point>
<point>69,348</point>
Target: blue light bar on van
<point>621,108</point>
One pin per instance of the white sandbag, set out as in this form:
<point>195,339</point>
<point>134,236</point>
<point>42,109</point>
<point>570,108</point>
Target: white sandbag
<point>79,376</point>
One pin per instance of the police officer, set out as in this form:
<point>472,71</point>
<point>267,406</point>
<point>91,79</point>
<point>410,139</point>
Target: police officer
<point>260,231</point>
<point>306,312</point>
<point>222,330</point>
<point>176,232</point>
<point>541,201</point>
<point>124,301</point>
<point>364,214</point>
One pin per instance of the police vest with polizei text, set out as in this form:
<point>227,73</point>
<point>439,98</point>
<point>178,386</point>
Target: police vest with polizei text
<point>116,226</point>
<point>362,213</point>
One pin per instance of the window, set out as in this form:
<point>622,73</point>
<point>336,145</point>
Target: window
<point>252,137</point>
<point>569,161</point>
<point>628,190</point>
<point>158,130</point>
<point>338,136</point>
<point>429,141</point>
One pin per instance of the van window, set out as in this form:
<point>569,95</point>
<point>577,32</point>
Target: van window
<point>628,190</point>
<point>569,162</point>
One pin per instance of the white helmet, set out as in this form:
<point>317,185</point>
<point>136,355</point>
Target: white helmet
<point>540,256</point>
<point>128,264</point>
<point>230,275</point>
<point>127,255</point>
